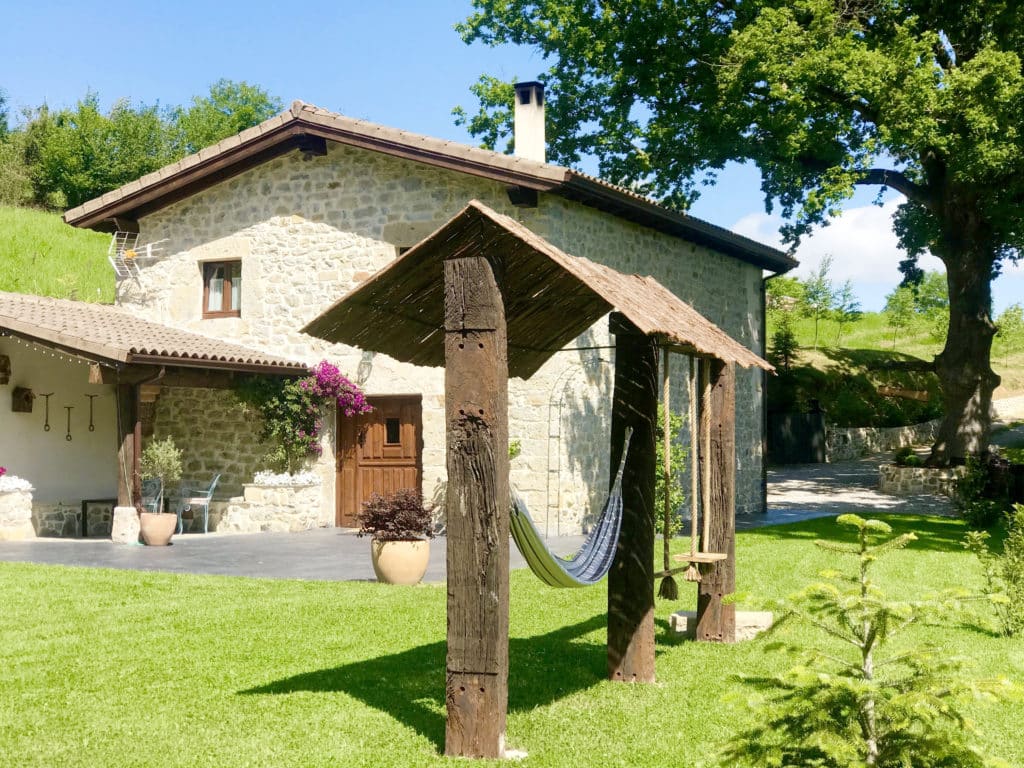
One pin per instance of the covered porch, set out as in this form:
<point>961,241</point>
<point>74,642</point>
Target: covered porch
<point>84,386</point>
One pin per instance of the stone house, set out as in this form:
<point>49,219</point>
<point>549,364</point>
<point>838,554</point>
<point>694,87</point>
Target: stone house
<point>256,236</point>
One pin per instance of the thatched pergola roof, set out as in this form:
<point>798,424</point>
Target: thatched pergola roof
<point>550,299</point>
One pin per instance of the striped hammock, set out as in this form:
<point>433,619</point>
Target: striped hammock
<point>593,561</point>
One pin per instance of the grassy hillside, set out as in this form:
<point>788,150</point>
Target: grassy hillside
<point>865,345</point>
<point>42,255</point>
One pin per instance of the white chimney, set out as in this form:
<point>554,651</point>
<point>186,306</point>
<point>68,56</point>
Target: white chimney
<point>529,121</point>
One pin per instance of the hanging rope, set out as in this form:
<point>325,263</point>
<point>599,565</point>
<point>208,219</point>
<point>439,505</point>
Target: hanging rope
<point>692,571</point>
<point>668,590</point>
<point>705,452</point>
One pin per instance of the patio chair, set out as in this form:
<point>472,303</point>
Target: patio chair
<point>193,497</point>
<point>152,494</point>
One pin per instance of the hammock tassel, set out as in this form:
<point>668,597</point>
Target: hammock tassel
<point>669,590</point>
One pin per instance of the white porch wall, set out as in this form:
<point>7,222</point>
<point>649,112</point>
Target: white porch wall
<point>62,472</point>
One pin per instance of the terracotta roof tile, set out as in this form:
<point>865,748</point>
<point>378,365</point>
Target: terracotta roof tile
<point>101,331</point>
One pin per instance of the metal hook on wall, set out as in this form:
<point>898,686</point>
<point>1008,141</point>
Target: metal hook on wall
<point>68,408</point>
<point>92,425</point>
<point>46,411</point>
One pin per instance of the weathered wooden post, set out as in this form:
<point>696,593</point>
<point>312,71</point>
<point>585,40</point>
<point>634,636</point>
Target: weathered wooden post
<point>716,621</point>
<point>631,579</point>
<point>476,409</point>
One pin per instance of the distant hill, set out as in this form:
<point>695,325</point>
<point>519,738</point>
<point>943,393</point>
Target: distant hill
<point>845,377</point>
<point>42,255</point>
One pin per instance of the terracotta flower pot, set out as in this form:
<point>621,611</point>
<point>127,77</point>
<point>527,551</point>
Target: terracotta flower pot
<point>157,529</point>
<point>400,562</point>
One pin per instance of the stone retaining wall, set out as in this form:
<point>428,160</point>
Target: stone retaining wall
<point>846,443</point>
<point>912,481</point>
<point>16,516</point>
<point>273,508</point>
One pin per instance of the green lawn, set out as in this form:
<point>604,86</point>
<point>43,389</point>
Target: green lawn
<point>102,668</point>
<point>42,255</point>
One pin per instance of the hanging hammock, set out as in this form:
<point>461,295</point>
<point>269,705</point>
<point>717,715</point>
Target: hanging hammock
<point>592,562</point>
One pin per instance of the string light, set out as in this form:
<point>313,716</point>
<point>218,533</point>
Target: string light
<point>44,350</point>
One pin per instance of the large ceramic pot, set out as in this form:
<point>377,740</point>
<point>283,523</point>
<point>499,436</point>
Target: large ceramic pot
<point>400,562</point>
<point>157,529</point>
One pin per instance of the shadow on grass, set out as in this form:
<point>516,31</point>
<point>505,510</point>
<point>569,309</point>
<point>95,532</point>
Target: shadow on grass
<point>934,534</point>
<point>410,685</point>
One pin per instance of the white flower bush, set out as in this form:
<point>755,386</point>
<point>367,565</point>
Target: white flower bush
<point>11,483</point>
<point>266,477</point>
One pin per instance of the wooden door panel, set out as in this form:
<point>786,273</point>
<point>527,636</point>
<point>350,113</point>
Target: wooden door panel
<point>368,463</point>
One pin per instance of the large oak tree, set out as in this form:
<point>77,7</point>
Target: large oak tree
<point>925,97</point>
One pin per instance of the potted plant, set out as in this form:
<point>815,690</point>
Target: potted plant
<point>161,460</point>
<point>401,527</point>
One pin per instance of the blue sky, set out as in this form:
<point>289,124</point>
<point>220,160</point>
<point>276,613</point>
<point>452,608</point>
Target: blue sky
<point>396,62</point>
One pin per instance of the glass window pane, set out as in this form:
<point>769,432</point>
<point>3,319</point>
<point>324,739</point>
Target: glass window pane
<point>393,430</point>
<point>236,288</point>
<point>215,303</point>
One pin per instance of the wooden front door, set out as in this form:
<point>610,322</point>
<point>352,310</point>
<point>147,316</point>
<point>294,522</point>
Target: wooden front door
<point>380,452</point>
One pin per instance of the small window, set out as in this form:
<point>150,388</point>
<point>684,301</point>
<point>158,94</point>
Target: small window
<point>393,429</point>
<point>222,289</point>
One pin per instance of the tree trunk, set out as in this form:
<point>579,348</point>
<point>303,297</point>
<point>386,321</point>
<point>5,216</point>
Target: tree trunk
<point>964,365</point>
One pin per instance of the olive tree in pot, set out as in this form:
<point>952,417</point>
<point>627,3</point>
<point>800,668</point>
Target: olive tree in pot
<point>401,527</point>
<point>161,460</point>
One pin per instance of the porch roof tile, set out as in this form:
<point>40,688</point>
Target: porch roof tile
<point>109,334</point>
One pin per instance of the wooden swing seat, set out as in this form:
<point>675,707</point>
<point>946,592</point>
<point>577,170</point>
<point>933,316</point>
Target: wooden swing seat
<point>700,557</point>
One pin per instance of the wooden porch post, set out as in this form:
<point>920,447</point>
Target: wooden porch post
<point>476,410</point>
<point>126,449</point>
<point>716,621</point>
<point>631,579</point>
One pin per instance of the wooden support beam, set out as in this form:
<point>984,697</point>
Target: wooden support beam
<point>631,579</point>
<point>716,621</point>
<point>477,501</point>
<point>125,444</point>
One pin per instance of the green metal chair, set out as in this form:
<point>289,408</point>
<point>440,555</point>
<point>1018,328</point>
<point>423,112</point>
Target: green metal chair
<point>152,494</point>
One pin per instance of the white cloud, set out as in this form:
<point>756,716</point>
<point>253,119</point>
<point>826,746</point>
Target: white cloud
<point>865,251</point>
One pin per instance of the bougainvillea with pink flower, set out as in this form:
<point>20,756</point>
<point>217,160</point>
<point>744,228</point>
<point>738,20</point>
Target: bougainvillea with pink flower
<point>292,411</point>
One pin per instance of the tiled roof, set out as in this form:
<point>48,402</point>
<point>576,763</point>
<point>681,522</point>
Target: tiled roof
<point>550,298</point>
<point>109,334</point>
<point>283,132</point>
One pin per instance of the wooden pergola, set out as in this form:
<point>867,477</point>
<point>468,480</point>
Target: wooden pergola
<point>487,298</point>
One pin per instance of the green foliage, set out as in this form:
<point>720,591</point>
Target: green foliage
<point>161,459</point>
<point>899,310</point>
<point>515,447</point>
<point>905,457</point>
<point>398,516</point>
<point>978,501</point>
<point>15,186</point>
<point>1010,330</point>
<point>783,293</point>
<point>677,469</point>
<point>1003,572</point>
<point>77,154</point>
<point>783,349</point>
<point>230,108</point>
<point>846,387</point>
<point>40,254</point>
<point>819,296</point>
<point>291,419</point>
<point>853,707</point>
<point>926,99</point>
<point>847,309</point>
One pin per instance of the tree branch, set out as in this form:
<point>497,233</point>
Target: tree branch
<point>898,181</point>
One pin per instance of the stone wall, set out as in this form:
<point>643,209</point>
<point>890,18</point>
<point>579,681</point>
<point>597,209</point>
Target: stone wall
<point>16,516</point>
<point>61,520</point>
<point>307,232</point>
<point>912,481</point>
<point>215,434</point>
<point>844,444</point>
<point>273,508</point>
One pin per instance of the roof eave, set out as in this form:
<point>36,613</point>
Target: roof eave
<point>219,365</point>
<point>642,211</point>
